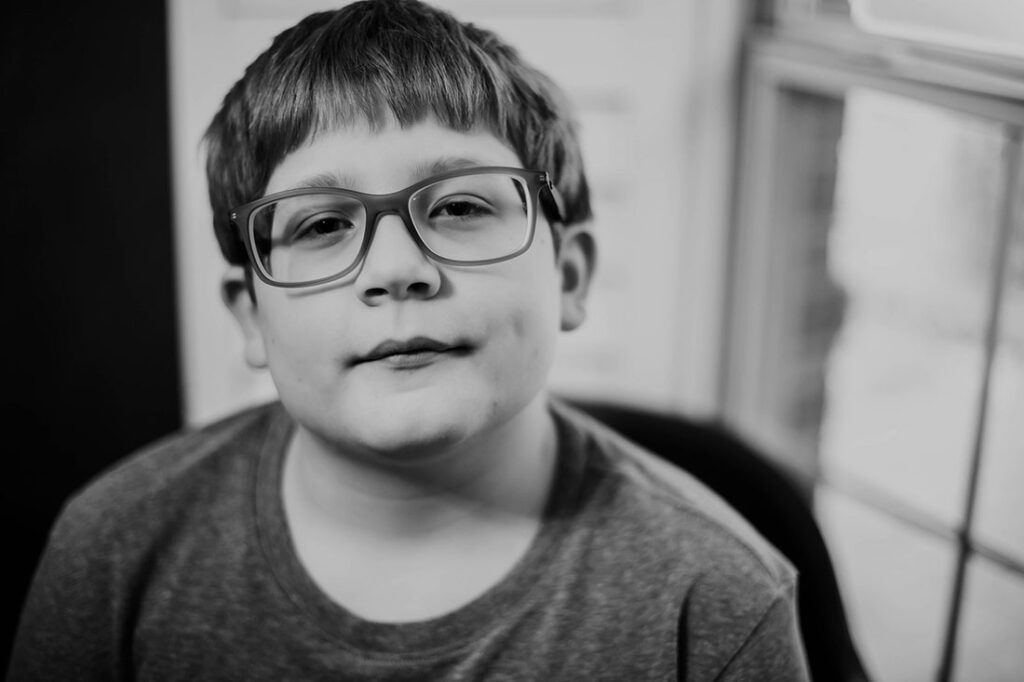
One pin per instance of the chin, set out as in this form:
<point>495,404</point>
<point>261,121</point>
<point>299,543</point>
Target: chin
<point>416,429</point>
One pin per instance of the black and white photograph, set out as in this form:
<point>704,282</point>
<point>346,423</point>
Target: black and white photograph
<point>518,340</point>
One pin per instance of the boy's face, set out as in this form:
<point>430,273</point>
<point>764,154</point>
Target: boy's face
<point>495,325</point>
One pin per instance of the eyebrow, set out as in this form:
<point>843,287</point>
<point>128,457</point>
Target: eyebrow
<point>420,171</point>
<point>444,164</point>
<point>339,180</point>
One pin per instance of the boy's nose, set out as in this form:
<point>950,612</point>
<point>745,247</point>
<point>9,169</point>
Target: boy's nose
<point>395,267</point>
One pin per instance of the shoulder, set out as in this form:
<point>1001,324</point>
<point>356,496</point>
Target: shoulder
<point>663,510</point>
<point>669,553</point>
<point>166,477</point>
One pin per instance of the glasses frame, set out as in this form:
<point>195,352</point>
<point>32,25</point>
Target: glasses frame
<point>397,203</point>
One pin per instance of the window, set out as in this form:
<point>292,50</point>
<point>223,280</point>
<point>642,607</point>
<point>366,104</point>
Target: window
<point>876,321</point>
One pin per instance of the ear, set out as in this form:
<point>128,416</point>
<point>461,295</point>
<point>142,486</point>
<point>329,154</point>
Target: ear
<point>577,257</point>
<point>240,301</point>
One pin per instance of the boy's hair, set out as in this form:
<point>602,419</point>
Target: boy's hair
<point>375,61</point>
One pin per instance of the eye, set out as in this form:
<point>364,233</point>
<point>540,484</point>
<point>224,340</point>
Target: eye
<point>323,226</point>
<point>461,207</point>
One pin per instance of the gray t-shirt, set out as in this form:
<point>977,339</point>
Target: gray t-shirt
<point>177,565</point>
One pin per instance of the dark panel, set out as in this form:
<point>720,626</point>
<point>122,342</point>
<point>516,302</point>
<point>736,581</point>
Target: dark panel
<point>90,348</point>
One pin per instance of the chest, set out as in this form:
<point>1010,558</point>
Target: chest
<point>401,579</point>
<point>248,629</point>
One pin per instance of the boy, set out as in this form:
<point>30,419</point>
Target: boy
<point>403,206</point>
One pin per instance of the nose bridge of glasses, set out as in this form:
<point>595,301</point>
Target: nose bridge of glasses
<point>378,206</point>
<point>376,214</point>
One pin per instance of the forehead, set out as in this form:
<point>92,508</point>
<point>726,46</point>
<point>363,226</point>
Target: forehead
<point>386,159</point>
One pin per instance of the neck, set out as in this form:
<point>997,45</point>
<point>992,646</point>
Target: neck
<point>500,476</point>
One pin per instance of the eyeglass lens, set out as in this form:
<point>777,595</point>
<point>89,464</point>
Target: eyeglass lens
<point>467,218</point>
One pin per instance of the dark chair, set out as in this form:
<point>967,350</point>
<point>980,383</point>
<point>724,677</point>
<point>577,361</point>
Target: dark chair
<point>771,501</point>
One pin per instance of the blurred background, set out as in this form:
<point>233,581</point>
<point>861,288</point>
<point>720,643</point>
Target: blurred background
<point>810,216</point>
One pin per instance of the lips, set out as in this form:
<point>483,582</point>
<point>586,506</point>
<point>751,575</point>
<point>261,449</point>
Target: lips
<point>412,352</point>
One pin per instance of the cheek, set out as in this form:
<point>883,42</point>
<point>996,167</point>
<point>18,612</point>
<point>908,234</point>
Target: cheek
<point>531,321</point>
<point>298,358</point>
<point>533,329</point>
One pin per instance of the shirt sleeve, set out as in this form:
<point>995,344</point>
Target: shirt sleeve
<point>68,626</point>
<point>741,630</point>
<point>774,649</point>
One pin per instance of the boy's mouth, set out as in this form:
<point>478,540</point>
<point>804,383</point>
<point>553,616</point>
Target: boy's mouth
<point>414,352</point>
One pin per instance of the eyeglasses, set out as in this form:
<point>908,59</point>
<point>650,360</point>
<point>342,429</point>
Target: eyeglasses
<point>477,216</point>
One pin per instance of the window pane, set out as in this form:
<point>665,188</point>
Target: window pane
<point>1000,517</point>
<point>916,215</point>
<point>896,583</point>
<point>992,626</point>
<point>804,8</point>
<point>995,26</point>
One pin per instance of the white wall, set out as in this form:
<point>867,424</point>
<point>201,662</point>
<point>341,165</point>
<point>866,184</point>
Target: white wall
<point>651,82</point>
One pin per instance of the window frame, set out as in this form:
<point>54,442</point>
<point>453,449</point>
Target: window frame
<point>792,48</point>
